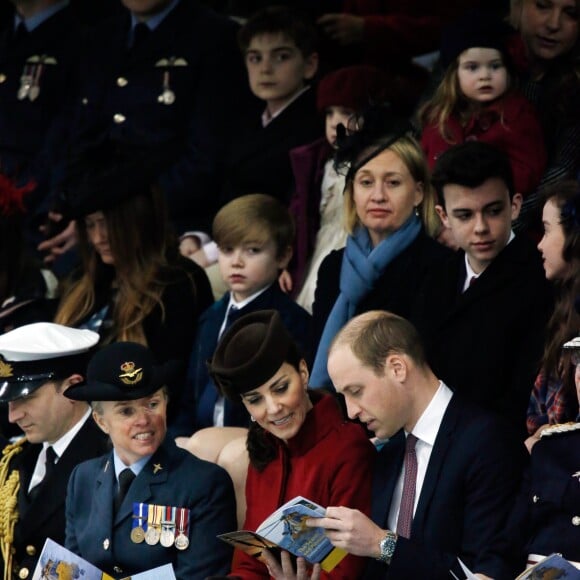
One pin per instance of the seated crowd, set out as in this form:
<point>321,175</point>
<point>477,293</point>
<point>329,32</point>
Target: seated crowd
<point>348,273</point>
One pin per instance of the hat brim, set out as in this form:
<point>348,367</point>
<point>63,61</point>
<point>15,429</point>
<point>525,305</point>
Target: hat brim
<point>14,390</point>
<point>101,391</point>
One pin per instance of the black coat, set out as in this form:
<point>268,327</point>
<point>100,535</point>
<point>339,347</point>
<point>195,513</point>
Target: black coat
<point>44,516</point>
<point>396,290</point>
<point>486,342</point>
<point>259,157</point>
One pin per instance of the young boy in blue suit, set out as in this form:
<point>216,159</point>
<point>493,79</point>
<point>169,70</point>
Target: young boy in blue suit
<point>254,234</point>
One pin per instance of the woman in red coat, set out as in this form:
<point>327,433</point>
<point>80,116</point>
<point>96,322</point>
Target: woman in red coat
<point>299,442</point>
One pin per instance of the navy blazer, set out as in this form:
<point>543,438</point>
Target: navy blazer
<point>471,481</point>
<point>43,516</point>
<point>172,477</point>
<point>487,341</point>
<point>200,394</point>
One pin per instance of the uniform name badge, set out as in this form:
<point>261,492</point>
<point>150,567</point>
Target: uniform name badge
<point>154,515</point>
<point>139,523</point>
<point>182,539</point>
<point>168,527</point>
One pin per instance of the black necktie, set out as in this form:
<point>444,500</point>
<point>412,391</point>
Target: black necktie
<point>141,33</point>
<point>231,316</point>
<point>126,478</point>
<point>49,466</point>
<point>20,33</point>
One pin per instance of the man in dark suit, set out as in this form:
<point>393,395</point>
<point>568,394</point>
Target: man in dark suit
<point>484,311</point>
<point>446,477</point>
<point>38,362</point>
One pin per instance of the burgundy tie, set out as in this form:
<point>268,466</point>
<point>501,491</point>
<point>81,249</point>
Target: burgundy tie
<point>410,481</point>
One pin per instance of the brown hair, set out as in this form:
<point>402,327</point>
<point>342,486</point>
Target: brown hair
<point>255,217</point>
<point>565,321</point>
<point>376,334</point>
<point>142,247</point>
<point>449,100</point>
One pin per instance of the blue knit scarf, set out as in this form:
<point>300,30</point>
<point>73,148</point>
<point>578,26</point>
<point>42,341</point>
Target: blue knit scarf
<point>362,266</point>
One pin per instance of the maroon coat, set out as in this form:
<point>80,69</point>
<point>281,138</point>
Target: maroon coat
<point>308,167</point>
<point>329,462</point>
<point>510,124</point>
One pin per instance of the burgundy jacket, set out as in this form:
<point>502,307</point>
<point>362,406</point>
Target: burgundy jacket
<point>510,124</point>
<point>329,462</point>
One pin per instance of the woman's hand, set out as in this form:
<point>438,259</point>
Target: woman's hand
<point>61,243</point>
<point>284,570</point>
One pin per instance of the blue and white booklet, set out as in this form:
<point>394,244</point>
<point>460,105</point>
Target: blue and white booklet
<point>286,530</point>
<point>56,562</point>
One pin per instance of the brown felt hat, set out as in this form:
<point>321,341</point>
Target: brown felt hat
<point>250,352</point>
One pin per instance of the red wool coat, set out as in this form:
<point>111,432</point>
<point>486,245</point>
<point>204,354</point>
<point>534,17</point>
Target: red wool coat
<point>329,462</point>
<point>510,124</point>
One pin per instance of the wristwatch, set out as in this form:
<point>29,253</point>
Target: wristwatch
<point>387,546</point>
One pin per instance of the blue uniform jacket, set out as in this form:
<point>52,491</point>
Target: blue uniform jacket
<point>172,477</point>
<point>192,54</point>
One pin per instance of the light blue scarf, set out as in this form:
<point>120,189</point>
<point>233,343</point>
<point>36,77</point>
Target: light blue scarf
<point>362,266</point>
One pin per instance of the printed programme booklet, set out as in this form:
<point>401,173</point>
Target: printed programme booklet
<point>285,530</point>
<point>56,562</point>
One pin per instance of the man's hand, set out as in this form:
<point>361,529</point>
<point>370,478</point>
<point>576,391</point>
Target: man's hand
<point>61,243</point>
<point>345,29</point>
<point>350,530</point>
<point>284,570</point>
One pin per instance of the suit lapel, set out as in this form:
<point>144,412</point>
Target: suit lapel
<point>387,468</point>
<point>435,467</point>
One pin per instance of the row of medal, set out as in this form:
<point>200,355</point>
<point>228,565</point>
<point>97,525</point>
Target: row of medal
<point>30,79</point>
<point>160,524</point>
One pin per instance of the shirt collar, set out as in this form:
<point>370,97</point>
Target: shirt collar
<point>427,426</point>
<point>136,467</point>
<point>267,118</point>
<point>154,21</point>
<point>61,444</point>
<point>36,20</point>
<point>240,305</point>
<point>469,270</point>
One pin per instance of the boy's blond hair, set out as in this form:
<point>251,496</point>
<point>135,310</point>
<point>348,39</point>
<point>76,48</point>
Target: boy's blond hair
<point>255,217</point>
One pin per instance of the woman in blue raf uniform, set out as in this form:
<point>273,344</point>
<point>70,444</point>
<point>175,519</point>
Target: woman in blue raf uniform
<point>183,502</point>
<point>546,518</point>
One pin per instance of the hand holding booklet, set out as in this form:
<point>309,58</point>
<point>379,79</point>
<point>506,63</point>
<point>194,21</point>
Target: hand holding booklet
<point>56,562</point>
<point>286,530</point>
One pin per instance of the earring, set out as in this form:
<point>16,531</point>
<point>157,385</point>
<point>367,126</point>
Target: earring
<point>417,211</point>
<point>252,418</point>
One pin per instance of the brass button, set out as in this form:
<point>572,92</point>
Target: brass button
<point>576,521</point>
<point>31,550</point>
<point>2,78</point>
<point>117,570</point>
<point>85,101</point>
<point>23,573</point>
<point>536,499</point>
<point>122,82</point>
<point>118,118</point>
<point>106,543</point>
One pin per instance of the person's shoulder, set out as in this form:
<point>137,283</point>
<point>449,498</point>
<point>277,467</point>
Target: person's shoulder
<point>188,465</point>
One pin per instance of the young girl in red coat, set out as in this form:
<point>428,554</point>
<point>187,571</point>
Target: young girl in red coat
<point>476,100</point>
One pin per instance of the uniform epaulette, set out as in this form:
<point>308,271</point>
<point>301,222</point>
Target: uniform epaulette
<point>560,428</point>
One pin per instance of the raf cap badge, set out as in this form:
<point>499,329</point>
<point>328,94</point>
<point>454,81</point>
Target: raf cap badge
<point>6,369</point>
<point>130,375</point>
